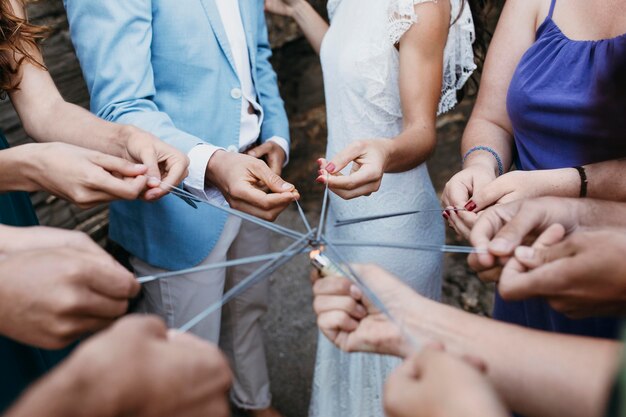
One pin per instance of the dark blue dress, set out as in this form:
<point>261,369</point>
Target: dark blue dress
<point>560,119</point>
<point>20,365</point>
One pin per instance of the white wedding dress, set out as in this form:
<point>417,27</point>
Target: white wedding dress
<point>361,68</point>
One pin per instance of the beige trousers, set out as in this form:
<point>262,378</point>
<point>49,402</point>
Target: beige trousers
<point>237,327</point>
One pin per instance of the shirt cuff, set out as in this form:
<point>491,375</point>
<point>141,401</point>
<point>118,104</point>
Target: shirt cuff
<point>199,157</point>
<point>282,142</point>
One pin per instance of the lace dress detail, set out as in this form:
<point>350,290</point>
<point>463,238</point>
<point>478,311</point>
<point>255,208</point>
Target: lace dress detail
<point>361,69</point>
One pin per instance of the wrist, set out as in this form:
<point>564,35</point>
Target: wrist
<point>388,149</point>
<point>119,139</point>
<point>214,168</point>
<point>29,162</point>
<point>485,156</point>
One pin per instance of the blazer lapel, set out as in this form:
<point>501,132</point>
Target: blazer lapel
<point>218,28</point>
<point>247,17</point>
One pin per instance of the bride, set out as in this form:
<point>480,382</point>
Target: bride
<point>390,67</point>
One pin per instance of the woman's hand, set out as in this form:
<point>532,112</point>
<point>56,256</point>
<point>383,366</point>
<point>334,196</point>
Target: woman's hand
<point>84,177</point>
<point>369,160</point>
<point>164,162</point>
<point>281,7</point>
<point>458,192</point>
<point>352,322</point>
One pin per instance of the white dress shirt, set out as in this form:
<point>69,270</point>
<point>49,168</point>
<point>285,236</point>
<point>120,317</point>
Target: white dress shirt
<point>250,122</point>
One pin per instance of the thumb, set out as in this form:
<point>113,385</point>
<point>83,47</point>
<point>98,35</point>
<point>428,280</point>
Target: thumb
<point>272,180</point>
<point>545,250</point>
<point>343,158</point>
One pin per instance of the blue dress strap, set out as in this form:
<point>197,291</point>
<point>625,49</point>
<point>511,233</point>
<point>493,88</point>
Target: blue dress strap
<point>551,12</point>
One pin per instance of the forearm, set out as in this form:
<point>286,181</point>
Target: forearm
<point>606,180</point>
<point>411,148</point>
<point>532,370</point>
<point>312,24</point>
<point>482,132</point>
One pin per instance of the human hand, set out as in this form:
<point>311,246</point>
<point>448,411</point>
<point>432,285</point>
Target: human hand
<point>458,192</point>
<point>241,179</point>
<point>164,162</point>
<point>582,276</point>
<point>368,158</point>
<point>281,7</point>
<point>436,384</point>
<point>52,296</point>
<point>501,229</point>
<point>20,239</point>
<point>82,176</point>
<point>352,322</point>
<point>145,373</point>
<point>272,153</point>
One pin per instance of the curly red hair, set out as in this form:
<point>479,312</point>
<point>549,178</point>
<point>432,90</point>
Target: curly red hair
<point>19,42</point>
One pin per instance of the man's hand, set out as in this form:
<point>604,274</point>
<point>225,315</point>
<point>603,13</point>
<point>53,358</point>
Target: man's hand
<point>134,369</point>
<point>20,239</point>
<point>582,276</point>
<point>272,154</point>
<point>352,322</point>
<point>241,179</point>
<point>51,297</point>
<point>436,384</point>
<point>164,162</point>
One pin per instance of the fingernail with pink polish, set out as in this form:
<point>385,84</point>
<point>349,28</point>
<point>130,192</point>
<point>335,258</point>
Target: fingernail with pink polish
<point>331,167</point>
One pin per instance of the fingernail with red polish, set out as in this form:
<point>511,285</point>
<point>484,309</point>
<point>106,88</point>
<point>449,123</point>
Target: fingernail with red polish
<point>470,206</point>
<point>331,167</point>
<point>320,180</point>
<point>445,215</point>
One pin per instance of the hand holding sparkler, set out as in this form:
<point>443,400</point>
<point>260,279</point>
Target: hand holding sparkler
<point>241,179</point>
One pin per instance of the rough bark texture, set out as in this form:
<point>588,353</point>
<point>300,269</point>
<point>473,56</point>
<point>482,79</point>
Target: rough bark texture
<point>290,324</point>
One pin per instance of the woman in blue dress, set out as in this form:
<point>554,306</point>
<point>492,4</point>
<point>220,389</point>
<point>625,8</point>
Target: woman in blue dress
<point>117,167</point>
<point>539,108</point>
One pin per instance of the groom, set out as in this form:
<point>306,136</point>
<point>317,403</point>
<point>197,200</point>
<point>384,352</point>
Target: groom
<point>195,73</point>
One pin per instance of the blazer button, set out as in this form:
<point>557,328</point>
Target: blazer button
<point>233,149</point>
<point>236,93</point>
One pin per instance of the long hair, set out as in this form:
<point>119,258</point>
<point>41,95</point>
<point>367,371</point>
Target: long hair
<point>482,13</point>
<point>19,40</point>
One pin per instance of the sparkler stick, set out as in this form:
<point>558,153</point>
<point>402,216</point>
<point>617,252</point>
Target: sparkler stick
<point>267,269</point>
<point>421,247</point>
<point>303,216</point>
<point>346,270</point>
<point>179,192</point>
<point>323,213</point>
<point>227,264</point>
<point>347,222</point>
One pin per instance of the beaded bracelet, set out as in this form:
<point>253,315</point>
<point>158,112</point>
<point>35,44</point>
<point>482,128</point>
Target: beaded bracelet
<point>491,151</point>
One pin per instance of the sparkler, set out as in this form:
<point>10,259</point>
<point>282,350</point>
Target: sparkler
<point>324,253</point>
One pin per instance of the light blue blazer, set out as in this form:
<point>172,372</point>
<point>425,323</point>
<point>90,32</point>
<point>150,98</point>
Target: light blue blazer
<point>165,66</point>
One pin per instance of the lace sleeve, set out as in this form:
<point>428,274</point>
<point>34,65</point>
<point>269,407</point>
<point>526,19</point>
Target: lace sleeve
<point>331,6</point>
<point>402,16</point>
<point>459,53</point>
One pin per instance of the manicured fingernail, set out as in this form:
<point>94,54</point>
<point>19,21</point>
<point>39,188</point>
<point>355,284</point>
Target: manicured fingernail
<point>470,206</point>
<point>330,167</point>
<point>287,186</point>
<point>445,215</point>
<point>524,252</point>
<point>321,180</point>
<point>501,245</point>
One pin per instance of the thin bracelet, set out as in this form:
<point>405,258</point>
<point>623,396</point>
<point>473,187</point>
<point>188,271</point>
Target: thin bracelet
<point>583,181</point>
<point>491,151</point>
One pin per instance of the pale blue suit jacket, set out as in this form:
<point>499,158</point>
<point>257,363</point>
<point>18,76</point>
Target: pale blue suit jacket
<point>165,66</point>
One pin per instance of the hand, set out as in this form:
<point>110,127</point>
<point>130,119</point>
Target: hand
<point>241,178</point>
<point>582,276</point>
<point>135,369</point>
<point>84,177</point>
<point>281,7</point>
<point>436,384</point>
<point>502,228</point>
<point>51,297</point>
<point>164,162</point>
<point>519,185</point>
<point>458,192</point>
<point>352,322</point>
<point>272,153</point>
<point>368,158</point>
<point>20,239</point>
